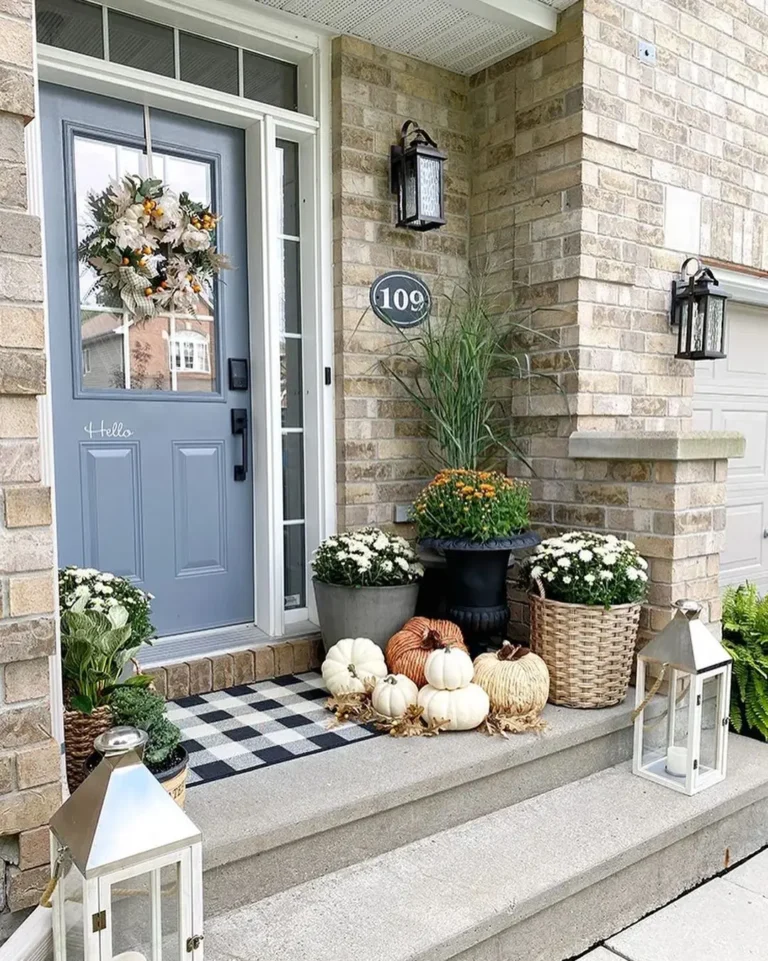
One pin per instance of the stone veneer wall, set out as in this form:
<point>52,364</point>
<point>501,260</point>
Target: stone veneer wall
<point>30,788</point>
<point>576,142</point>
<point>379,436</point>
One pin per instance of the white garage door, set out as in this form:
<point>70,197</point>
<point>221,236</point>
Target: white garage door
<point>732,394</point>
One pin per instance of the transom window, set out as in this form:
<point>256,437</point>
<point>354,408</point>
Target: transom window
<point>96,31</point>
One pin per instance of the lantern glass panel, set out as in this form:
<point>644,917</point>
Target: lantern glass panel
<point>716,313</point>
<point>711,725</point>
<point>430,171</point>
<point>71,891</point>
<point>410,187</point>
<point>145,915</point>
<point>665,736</point>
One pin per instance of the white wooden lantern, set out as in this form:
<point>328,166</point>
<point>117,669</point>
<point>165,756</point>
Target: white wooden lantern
<point>128,862</point>
<point>685,745</point>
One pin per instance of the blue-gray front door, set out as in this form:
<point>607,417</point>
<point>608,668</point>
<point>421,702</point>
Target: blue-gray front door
<point>144,451</point>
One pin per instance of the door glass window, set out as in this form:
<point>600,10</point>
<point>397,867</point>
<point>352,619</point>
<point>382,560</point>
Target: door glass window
<point>170,352</point>
<point>291,389</point>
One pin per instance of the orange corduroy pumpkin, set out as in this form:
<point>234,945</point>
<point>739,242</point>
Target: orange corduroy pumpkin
<point>408,650</point>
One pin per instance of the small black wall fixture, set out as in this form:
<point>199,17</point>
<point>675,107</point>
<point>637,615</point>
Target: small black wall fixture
<point>416,171</point>
<point>698,312</point>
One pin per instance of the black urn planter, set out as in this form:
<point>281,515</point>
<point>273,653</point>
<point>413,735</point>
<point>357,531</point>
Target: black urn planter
<point>474,584</point>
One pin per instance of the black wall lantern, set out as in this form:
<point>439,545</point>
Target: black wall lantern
<point>417,179</point>
<point>698,311</point>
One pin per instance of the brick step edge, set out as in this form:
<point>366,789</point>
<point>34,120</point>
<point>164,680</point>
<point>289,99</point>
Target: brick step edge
<point>206,674</point>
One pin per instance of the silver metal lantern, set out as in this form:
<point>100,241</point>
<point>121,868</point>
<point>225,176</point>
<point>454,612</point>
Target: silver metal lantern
<point>685,746</point>
<point>127,864</point>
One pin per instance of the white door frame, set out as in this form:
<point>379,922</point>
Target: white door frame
<point>245,26</point>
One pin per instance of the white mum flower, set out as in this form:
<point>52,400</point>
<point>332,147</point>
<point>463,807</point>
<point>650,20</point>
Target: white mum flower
<point>402,563</point>
<point>632,574</point>
<point>82,590</point>
<point>417,569</point>
<point>589,578</point>
<point>585,555</point>
<point>342,555</point>
<point>564,563</point>
<point>567,580</point>
<point>610,559</point>
<point>642,575</point>
<point>642,562</point>
<point>549,576</point>
<point>606,575</point>
<point>387,566</point>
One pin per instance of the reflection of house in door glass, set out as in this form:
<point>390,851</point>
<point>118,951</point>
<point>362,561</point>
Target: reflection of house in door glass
<point>175,353</point>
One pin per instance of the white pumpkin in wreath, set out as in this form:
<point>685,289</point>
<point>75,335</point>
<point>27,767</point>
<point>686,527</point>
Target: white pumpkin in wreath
<point>394,694</point>
<point>449,668</point>
<point>352,662</point>
<point>464,708</point>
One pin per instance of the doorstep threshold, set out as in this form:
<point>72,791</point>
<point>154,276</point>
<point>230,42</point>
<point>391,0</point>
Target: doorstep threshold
<point>177,648</point>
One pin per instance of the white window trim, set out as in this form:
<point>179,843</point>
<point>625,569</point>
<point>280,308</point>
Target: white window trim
<point>289,39</point>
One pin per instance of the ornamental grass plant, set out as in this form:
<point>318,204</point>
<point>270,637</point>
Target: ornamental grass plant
<point>461,370</point>
<point>474,505</point>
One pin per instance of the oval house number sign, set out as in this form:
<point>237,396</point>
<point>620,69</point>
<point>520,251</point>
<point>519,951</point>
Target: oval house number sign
<point>401,299</point>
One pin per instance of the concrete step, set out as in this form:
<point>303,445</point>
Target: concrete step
<point>540,880</point>
<point>267,830</point>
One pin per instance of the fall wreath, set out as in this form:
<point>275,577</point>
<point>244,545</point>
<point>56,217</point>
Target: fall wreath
<point>151,247</point>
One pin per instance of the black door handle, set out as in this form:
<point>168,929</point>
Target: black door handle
<point>240,426</point>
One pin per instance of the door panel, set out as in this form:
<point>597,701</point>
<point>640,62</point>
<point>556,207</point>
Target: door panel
<point>199,499</point>
<point>111,502</point>
<point>732,394</point>
<point>141,411</point>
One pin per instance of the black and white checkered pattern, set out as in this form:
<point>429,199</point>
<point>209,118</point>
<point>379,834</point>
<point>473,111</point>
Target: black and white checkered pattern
<point>256,725</point>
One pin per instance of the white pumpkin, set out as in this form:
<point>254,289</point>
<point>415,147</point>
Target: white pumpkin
<point>449,668</point>
<point>464,708</point>
<point>394,694</point>
<point>350,663</point>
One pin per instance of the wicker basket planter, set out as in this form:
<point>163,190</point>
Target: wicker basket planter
<point>80,731</point>
<point>589,650</point>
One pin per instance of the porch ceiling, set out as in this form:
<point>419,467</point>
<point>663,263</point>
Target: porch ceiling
<point>459,35</point>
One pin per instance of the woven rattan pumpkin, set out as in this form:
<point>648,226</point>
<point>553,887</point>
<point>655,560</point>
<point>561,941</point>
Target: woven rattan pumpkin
<point>516,681</point>
<point>408,650</point>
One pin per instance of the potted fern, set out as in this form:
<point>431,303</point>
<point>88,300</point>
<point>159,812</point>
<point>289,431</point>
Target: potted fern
<point>745,637</point>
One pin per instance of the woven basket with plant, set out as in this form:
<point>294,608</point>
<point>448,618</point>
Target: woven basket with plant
<point>97,644</point>
<point>586,593</point>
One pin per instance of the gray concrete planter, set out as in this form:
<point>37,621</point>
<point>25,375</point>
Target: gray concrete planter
<point>374,612</point>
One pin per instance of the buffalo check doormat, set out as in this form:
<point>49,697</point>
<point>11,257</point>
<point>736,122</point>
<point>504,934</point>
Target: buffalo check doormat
<point>256,725</point>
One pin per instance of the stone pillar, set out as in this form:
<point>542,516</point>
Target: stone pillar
<point>30,788</point>
<point>666,492</point>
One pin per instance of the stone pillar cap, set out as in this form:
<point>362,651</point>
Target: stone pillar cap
<point>670,445</point>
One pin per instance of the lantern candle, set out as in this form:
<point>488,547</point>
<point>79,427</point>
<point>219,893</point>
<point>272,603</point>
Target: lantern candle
<point>676,763</point>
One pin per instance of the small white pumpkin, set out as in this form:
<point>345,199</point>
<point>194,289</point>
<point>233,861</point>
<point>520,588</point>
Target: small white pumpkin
<point>449,668</point>
<point>350,663</point>
<point>394,694</point>
<point>464,709</point>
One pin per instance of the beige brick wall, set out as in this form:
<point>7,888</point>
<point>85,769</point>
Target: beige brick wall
<point>570,146</point>
<point>30,788</point>
<point>379,436</point>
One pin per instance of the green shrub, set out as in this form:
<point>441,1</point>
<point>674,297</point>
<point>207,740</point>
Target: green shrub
<point>144,709</point>
<point>745,637</point>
